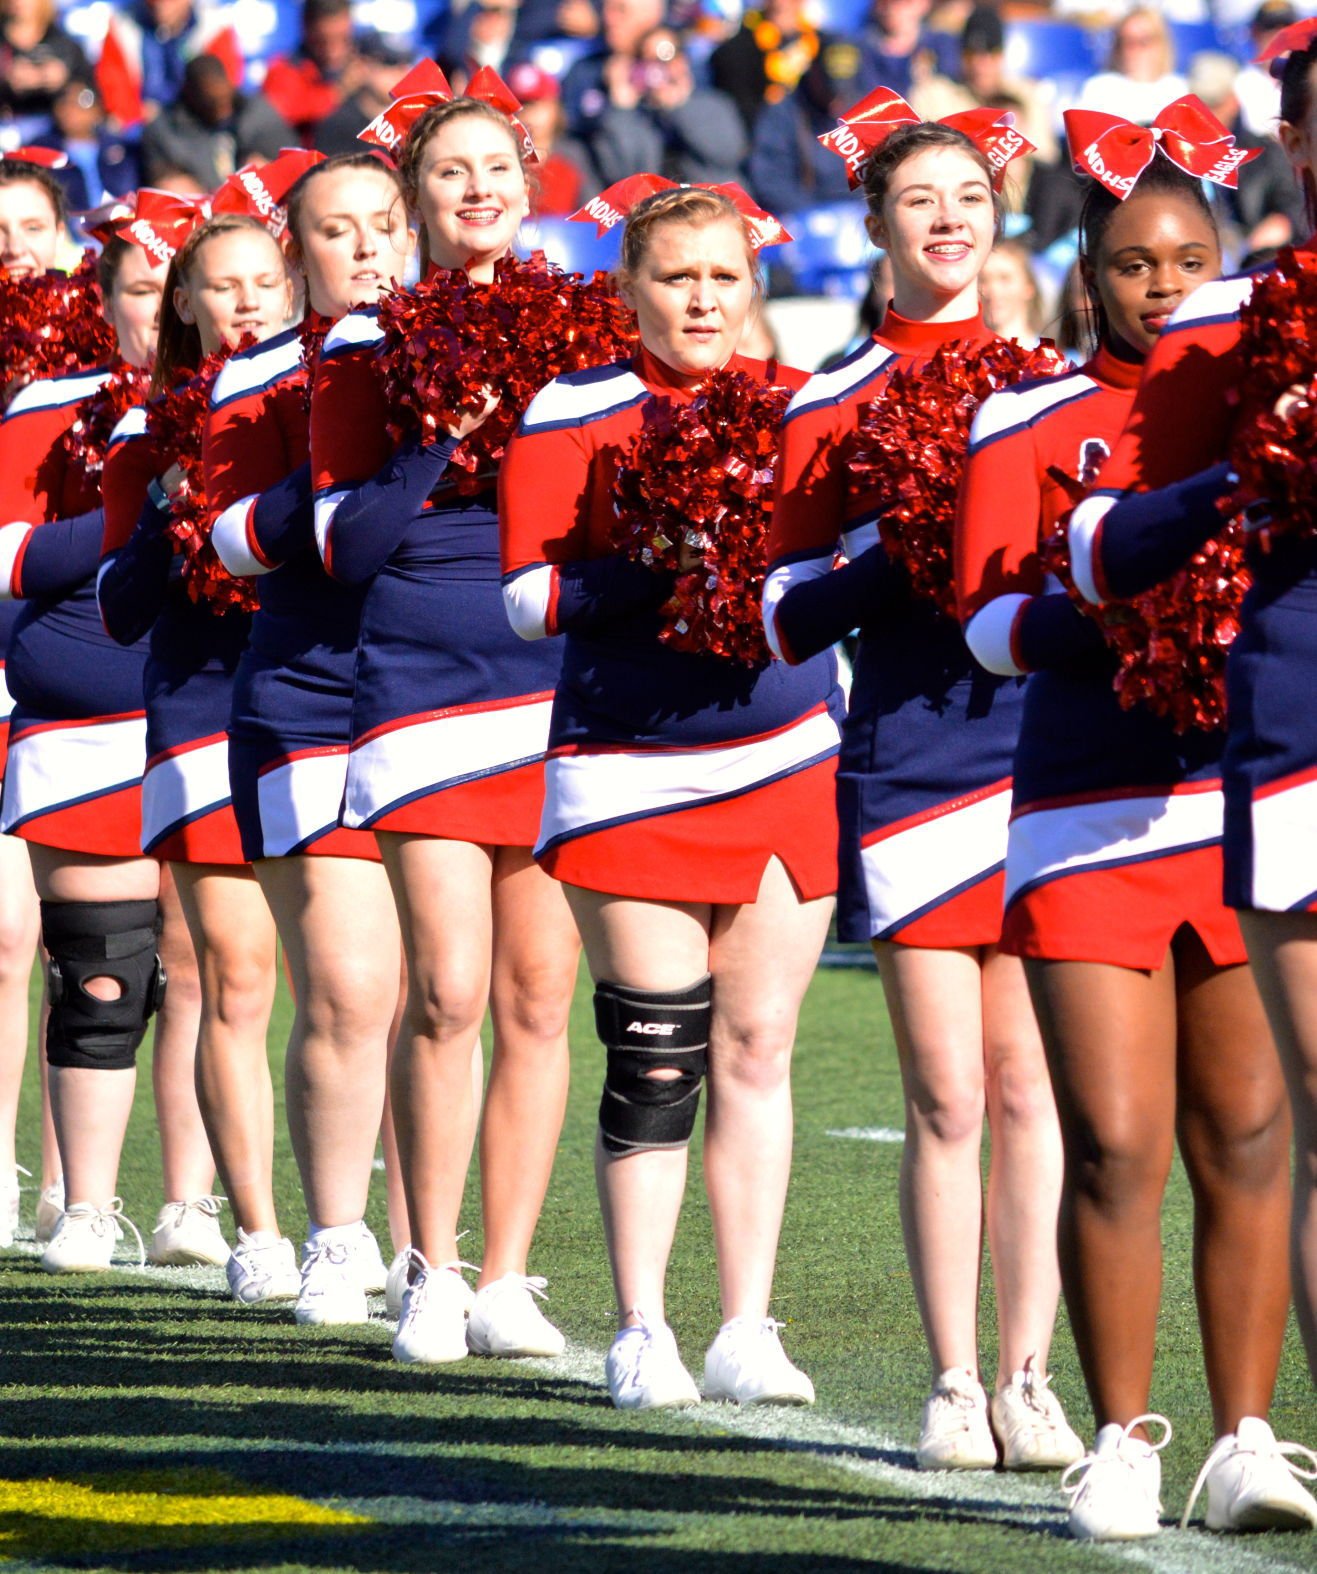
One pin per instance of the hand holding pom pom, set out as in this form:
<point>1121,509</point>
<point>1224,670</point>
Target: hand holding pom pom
<point>694,495</point>
<point>51,324</point>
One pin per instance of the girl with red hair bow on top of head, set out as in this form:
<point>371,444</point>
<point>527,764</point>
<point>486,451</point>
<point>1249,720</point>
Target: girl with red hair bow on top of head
<point>923,794</point>
<point>289,731</point>
<point>224,278</point>
<point>1233,351</point>
<point>1151,1017</point>
<point>449,726</point>
<point>688,799</point>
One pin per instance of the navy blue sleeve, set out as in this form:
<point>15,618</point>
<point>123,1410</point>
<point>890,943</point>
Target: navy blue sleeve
<point>1053,634</point>
<point>1148,536</point>
<point>601,591</point>
<point>370,523</point>
<point>814,614</point>
<point>283,521</point>
<point>61,555</point>
<point>133,584</point>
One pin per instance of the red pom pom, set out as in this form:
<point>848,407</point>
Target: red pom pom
<point>176,420</point>
<point>911,442</point>
<point>51,324</point>
<point>1172,641</point>
<point>701,473</point>
<point>1277,352</point>
<point>99,413</point>
<point>448,341</point>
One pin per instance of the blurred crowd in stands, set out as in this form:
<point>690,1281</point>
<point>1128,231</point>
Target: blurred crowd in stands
<point>178,93</point>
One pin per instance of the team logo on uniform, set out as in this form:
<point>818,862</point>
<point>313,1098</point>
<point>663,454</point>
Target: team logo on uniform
<point>1093,453</point>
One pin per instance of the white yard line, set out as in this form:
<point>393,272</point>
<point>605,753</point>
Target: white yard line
<point>868,1133</point>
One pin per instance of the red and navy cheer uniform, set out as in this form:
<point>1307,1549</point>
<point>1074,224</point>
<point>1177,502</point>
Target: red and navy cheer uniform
<point>924,779</point>
<point>292,695</point>
<point>450,718</point>
<point>672,775</point>
<point>77,728</point>
<point>187,808</point>
<point>1115,837</point>
<point>1164,477</point>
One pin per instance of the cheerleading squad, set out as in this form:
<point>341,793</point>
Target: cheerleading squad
<point>459,628</point>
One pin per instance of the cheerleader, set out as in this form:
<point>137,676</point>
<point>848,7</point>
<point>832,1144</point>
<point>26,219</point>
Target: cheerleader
<point>226,278</point>
<point>688,813</point>
<point>449,725</point>
<point>32,228</point>
<point>289,731</point>
<point>1165,478</point>
<point>1150,1015</point>
<point>73,777</point>
<point>923,792</point>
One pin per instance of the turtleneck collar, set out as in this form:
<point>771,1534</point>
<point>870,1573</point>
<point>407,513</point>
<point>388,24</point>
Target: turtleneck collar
<point>905,334</point>
<point>1114,370</point>
<point>658,374</point>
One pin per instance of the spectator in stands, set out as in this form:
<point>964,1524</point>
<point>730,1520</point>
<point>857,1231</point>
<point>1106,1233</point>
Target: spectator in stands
<point>1266,211</point>
<point>983,80</point>
<point>657,119</point>
<point>147,49</point>
<point>311,83</point>
<point>589,86</point>
<point>1257,90</point>
<point>101,163</point>
<point>765,58</point>
<point>901,51</point>
<point>1141,79</point>
<point>212,129</point>
<point>559,181</point>
<point>1046,192</point>
<point>380,63</point>
<point>788,169</point>
<point>1008,291</point>
<point>481,33</point>
<point>539,20</point>
<point>37,58</point>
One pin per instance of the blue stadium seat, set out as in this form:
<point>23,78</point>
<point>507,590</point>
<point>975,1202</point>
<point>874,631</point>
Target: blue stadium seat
<point>572,246</point>
<point>266,28</point>
<point>558,55</point>
<point>843,16</point>
<point>1192,38</point>
<point>1044,50</point>
<point>831,253</point>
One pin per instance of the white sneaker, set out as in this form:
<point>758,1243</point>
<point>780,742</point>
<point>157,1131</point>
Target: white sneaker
<point>370,1263</point>
<point>1116,1491</point>
<point>747,1365</point>
<point>506,1321</point>
<point>263,1270</point>
<point>954,1433</point>
<point>432,1323</point>
<point>395,1282</point>
<point>9,1189</point>
<point>331,1290</point>
<point>188,1234</point>
<point>85,1238</point>
<point>50,1209</point>
<point>644,1371</point>
<point>1030,1425</point>
<point>1251,1483</point>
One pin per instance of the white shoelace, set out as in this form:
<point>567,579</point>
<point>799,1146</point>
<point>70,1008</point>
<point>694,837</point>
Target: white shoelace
<point>210,1206</point>
<point>427,1277</point>
<point>536,1283</point>
<point>111,1216</point>
<point>256,1256</point>
<point>1091,1459</point>
<point>1285,1452</point>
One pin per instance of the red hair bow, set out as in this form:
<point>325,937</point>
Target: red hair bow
<point>422,88</point>
<point>1298,35</point>
<point>259,190</point>
<point>44,158</point>
<point>611,207</point>
<point>1115,152</point>
<point>865,126</point>
<point>161,221</point>
<point>103,223</point>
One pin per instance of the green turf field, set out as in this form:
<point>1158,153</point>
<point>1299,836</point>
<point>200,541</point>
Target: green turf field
<point>147,1423</point>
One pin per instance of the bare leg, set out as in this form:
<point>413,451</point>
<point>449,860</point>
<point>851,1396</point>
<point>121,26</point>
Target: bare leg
<point>234,937</point>
<point>647,945</point>
<point>534,974</point>
<point>340,935</point>
<point>1024,1177</point>
<point>935,1002</point>
<point>400,1229</point>
<point>189,1169</point>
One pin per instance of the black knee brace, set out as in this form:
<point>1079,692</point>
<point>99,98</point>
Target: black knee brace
<point>647,1030</point>
<point>89,940</point>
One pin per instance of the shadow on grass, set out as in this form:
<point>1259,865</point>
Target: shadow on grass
<point>111,1387</point>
